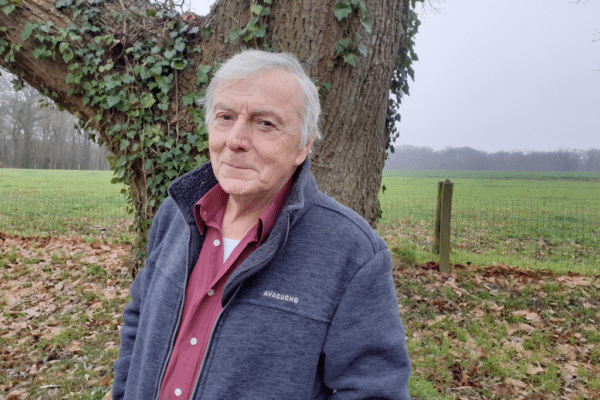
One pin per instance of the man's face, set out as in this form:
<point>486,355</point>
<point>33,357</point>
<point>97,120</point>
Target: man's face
<point>254,136</point>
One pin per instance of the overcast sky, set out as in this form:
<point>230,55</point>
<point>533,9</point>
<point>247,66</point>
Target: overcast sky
<point>503,75</point>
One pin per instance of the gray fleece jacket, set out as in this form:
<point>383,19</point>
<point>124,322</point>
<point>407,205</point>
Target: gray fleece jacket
<point>310,314</point>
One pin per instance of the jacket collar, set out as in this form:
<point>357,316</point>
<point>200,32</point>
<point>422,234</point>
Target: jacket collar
<point>189,188</point>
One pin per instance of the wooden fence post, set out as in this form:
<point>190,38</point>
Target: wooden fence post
<point>445,214</point>
<point>435,248</point>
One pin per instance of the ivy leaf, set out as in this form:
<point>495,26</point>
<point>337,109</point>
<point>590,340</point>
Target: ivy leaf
<point>256,8</point>
<point>111,101</point>
<point>8,9</point>
<point>122,161</point>
<point>68,56</point>
<point>233,35</point>
<point>179,47</point>
<point>17,84</point>
<point>112,81</point>
<point>179,64</point>
<point>163,83</point>
<point>342,10</point>
<point>39,52</point>
<point>367,23</point>
<point>350,59</point>
<point>202,74</point>
<point>362,49</point>
<point>124,144</point>
<point>46,27</point>
<point>261,31</point>
<point>63,3</point>
<point>27,30</point>
<point>342,46</point>
<point>170,54</point>
<point>361,7</point>
<point>189,98</point>
<point>147,100</point>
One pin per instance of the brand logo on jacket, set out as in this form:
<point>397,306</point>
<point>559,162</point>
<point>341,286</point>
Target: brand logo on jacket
<point>278,296</point>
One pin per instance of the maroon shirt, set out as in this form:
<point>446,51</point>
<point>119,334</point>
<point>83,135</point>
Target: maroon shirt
<point>205,287</point>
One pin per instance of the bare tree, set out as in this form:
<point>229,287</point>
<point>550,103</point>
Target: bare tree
<point>34,133</point>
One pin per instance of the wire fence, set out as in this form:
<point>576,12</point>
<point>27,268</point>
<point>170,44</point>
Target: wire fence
<point>483,230</point>
<point>90,216</point>
<point>527,233</point>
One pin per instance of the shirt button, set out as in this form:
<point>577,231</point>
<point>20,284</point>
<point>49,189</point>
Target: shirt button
<point>211,292</point>
<point>217,242</point>
<point>177,392</point>
<point>194,341</point>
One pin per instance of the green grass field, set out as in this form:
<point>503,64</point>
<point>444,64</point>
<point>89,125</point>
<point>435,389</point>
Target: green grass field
<point>547,220</point>
<point>52,202</point>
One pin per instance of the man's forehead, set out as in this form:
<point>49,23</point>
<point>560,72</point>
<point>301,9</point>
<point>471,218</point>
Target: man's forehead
<point>280,81</point>
<point>266,92</point>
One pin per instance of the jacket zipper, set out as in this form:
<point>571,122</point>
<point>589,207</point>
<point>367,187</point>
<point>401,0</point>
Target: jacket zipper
<point>210,340</point>
<point>166,363</point>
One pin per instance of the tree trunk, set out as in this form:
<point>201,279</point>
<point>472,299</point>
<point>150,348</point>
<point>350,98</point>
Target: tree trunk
<point>347,163</point>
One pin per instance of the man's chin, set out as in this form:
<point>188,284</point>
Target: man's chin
<point>238,187</point>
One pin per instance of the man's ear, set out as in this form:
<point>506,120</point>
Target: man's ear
<point>304,152</point>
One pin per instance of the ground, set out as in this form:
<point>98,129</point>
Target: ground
<point>493,332</point>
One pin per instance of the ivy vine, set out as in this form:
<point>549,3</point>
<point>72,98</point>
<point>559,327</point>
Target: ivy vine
<point>349,48</point>
<point>8,50</point>
<point>402,71</point>
<point>136,75</point>
<point>256,28</point>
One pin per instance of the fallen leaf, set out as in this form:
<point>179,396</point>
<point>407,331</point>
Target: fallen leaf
<point>531,370</point>
<point>529,315</point>
<point>516,383</point>
<point>16,395</point>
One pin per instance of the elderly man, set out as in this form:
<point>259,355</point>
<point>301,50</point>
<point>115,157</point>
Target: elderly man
<point>256,284</point>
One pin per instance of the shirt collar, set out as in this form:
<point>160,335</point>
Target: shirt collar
<point>210,208</point>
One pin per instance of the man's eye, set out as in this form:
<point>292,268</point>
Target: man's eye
<point>224,117</point>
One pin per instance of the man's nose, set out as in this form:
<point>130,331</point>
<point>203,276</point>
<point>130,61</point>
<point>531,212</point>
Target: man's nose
<point>240,135</point>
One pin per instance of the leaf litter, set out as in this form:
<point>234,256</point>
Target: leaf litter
<point>500,332</point>
<point>61,301</point>
<point>491,332</point>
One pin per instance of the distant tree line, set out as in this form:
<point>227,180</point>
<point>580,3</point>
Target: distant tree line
<point>35,134</point>
<point>407,157</point>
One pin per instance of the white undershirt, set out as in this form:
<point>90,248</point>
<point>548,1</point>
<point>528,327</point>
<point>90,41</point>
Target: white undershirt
<point>228,246</point>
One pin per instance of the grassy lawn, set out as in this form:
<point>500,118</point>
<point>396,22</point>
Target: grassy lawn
<point>52,202</point>
<point>486,331</point>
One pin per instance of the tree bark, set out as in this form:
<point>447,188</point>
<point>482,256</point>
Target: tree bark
<point>347,163</point>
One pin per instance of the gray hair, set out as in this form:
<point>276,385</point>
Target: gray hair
<point>248,62</point>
